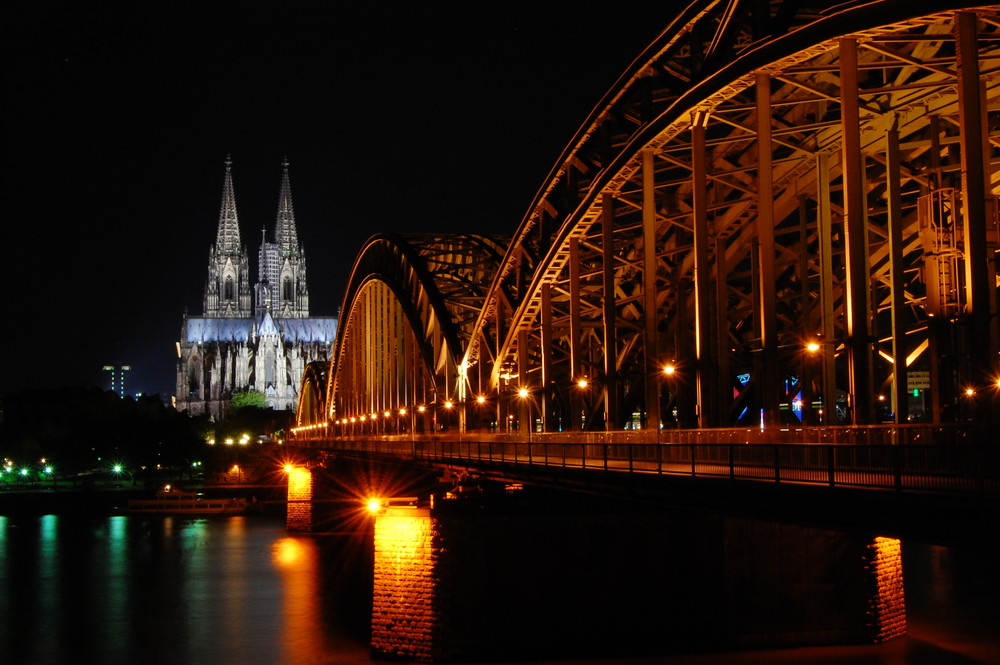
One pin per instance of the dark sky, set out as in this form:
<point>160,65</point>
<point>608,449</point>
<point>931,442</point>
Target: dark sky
<point>442,117</point>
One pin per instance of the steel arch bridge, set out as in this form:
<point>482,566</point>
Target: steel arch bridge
<point>783,212</point>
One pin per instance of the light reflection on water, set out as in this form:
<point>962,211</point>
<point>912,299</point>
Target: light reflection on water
<point>128,590</point>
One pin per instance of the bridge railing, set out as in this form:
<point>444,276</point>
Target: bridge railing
<point>922,464</point>
<point>903,435</point>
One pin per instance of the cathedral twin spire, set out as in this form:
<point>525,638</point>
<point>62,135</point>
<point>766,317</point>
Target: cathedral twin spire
<point>281,287</point>
<point>227,240</point>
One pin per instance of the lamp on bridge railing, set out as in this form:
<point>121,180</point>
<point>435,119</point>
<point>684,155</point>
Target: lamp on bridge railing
<point>523,394</point>
<point>669,371</point>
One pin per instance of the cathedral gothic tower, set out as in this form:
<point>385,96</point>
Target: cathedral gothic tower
<point>281,285</point>
<point>238,345</point>
<point>227,290</point>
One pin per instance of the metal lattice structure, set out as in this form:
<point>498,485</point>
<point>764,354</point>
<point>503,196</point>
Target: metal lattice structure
<point>782,212</point>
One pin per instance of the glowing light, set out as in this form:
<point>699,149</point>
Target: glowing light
<point>482,398</point>
<point>421,408</point>
<point>373,505</point>
<point>669,369</point>
<point>402,411</point>
<point>812,347</point>
<point>287,551</point>
<point>582,383</point>
<point>386,414</point>
<point>448,404</point>
<point>969,392</point>
<point>289,468</point>
<point>522,392</point>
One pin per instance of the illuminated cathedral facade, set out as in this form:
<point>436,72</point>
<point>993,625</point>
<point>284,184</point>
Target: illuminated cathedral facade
<point>251,337</point>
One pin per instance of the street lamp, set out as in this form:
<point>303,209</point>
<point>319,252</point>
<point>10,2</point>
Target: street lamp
<point>523,393</point>
<point>119,469</point>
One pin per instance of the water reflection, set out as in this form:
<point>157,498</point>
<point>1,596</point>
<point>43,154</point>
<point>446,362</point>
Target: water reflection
<point>302,634</point>
<point>125,590</point>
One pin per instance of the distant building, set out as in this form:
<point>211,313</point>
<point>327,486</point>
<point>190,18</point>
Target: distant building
<point>117,373</point>
<point>258,337</point>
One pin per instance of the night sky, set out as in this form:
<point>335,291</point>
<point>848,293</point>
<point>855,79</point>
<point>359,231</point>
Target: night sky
<point>442,117</point>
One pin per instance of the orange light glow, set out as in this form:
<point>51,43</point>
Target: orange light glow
<point>523,392</point>
<point>374,505</point>
<point>448,404</point>
<point>405,575</point>
<point>421,408</point>
<point>669,369</point>
<point>402,411</point>
<point>482,399</point>
<point>582,383</point>
<point>812,347</point>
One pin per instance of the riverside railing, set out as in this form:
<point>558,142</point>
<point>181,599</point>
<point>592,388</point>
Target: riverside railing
<point>901,458</point>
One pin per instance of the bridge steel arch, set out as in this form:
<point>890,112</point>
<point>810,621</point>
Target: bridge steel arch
<point>405,320</point>
<point>765,178</point>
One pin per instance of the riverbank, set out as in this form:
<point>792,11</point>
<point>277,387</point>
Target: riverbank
<point>68,500</point>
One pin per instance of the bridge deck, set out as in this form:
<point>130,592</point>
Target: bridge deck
<point>957,468</point>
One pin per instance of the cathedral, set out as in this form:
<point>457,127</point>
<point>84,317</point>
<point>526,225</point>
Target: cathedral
<point>256,337</point>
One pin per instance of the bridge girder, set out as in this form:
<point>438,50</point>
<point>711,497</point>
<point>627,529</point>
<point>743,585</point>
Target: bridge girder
<point>764,175</point>
<point>405,321</point>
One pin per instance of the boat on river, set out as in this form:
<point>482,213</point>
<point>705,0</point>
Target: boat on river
<point>170,500</point>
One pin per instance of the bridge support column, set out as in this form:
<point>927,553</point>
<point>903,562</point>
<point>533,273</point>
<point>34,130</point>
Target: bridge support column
<point>608,321</point>
<point>299,513</point>
<point>824,224</point>
<point>768,381</point>
<point>403,611</point>
<point>453,584</point>
<point>708,393</point>
<point>856,235</point>
<point>650,317</point>
<point>897,308</point>
<point>980,285</point>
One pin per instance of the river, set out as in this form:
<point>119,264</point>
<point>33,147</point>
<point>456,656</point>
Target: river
<point>117,589</point>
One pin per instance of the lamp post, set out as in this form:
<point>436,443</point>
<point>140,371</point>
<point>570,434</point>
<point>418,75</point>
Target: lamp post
<point>525,411</point>
<point>119,469</point>
<point>669,372</point>
<point>579,401</point>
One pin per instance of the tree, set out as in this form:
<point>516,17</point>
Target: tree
<point>249,398</point>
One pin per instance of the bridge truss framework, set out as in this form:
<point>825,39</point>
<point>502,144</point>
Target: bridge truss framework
<point>782,213</point>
